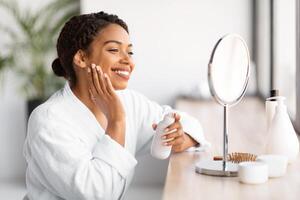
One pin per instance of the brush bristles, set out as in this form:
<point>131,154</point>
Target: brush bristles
<point>238,157</point>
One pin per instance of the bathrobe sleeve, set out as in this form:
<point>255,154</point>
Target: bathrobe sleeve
<point>71,170</point>
<point>150,112</point>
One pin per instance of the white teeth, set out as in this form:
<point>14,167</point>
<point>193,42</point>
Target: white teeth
<point>125,73</point>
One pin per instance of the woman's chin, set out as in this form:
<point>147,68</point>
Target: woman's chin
<point>120,86</point>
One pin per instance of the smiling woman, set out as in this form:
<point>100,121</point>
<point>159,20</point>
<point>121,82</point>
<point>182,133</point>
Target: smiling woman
<point>81,142</point>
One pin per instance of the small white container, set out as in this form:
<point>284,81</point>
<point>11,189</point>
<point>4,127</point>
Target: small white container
<point>253,172</point>
<point>277,164</point>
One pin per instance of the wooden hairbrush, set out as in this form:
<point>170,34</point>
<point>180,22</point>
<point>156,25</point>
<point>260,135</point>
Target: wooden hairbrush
<point>237,157</point>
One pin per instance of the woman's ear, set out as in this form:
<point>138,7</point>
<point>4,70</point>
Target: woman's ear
<point>80,59</point>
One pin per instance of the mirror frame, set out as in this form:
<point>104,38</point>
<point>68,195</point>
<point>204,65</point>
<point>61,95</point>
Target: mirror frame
<point>210,66</point>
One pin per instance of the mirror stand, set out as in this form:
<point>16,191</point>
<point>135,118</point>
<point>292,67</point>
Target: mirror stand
<point>222,167</point>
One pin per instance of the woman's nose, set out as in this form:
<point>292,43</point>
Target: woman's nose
<point>125,58</point>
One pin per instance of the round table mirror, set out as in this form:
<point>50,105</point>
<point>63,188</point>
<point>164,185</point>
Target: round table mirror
<point>228,77</point>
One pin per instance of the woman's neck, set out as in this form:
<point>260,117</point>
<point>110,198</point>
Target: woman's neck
<point>81,91</point>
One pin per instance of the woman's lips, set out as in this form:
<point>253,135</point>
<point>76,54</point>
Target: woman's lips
<point>122,73</point>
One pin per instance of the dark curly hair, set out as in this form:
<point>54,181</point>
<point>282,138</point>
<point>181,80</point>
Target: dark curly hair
<point>78,33</point>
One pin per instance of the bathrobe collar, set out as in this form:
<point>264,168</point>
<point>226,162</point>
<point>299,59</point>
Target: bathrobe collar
<point>89,118</point>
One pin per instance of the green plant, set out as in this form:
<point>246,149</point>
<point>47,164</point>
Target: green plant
<point>31,44</point>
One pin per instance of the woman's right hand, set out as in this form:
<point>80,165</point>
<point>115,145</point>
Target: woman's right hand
<point>103,95</point>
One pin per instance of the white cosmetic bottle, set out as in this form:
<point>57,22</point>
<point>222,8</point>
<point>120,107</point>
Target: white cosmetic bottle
<point>158,150</point>
<point>282,138</point>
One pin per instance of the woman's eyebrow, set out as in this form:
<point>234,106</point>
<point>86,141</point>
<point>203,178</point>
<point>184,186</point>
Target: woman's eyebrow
<point>115,41</point>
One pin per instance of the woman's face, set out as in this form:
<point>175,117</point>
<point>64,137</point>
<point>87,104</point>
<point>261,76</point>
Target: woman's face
<point>112,51</point>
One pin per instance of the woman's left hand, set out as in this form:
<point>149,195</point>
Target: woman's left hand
<point>175,136</point>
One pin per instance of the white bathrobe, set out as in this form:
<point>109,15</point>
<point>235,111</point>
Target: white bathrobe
<point>69,156</point>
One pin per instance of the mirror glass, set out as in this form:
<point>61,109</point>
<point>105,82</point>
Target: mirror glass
<point>229,69</point>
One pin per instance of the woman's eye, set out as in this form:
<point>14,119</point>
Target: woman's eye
<point>113,50</point>
<point>117,50</point>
